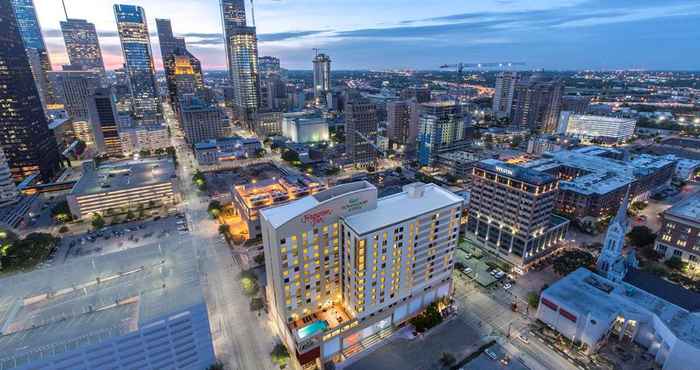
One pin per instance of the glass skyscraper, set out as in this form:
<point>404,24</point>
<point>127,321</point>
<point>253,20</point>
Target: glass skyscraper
<point>24,134</point>
<point>242,55</point>
<point>30,31</point>
<point>136,47</point>
<point>82,44</point>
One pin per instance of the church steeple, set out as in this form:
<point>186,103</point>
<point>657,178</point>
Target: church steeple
<point>611,262</point>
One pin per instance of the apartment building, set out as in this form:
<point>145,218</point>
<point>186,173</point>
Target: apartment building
<point>680,231</point>
<point>510,213</point>
<point>345,268</point>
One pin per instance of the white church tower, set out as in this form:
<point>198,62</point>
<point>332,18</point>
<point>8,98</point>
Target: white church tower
<point>611,262</point>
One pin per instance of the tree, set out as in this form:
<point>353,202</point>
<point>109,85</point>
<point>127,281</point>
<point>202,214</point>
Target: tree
<point>223,229</point>
<point>259,259</point>
<point>280,355</point>
<point>61,212</point>
<point>290,156</point>
<point>570,261</point>
<point>676,263</point>
<point>447,359</point>
<point>214,208</point>
<point>216,366</point>
<point>129,215</point>
<point>256,304</point>
<point>533,299</point>
<point>398,170</point>
<point>27,252</point>
<point>97,221</point>
<point>641,236</point>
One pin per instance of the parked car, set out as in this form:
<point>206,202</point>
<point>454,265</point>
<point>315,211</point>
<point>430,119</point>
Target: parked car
<point>490,353</point>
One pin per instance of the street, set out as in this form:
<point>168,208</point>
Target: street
<point>242,339</point>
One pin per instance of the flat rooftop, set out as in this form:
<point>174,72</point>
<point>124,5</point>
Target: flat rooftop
<point>399,207</point>
<point>601,175</point>
<point>124,175</point>
<point>517,172</point>
<point>92,299</point>
<point>276,191</point>
<point>688,209</point>
<point>588,293</point>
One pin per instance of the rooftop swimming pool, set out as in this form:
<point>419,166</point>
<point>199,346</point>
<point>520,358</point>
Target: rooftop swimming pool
<point>312,329</point>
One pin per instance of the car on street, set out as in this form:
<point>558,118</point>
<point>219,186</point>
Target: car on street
<point>467,270</point>
<point>523,338</point>
<point>507,286</point>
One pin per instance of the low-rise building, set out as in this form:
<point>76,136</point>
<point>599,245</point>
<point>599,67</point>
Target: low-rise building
<point>603,128</point>
<point>140,308</point>
<point>214,152</point>
<point>143,138</point>
<point>659,316</point>
<point>305,127</point>
<point>249,199</point>
<point>120,187</point>
<point>680,231</point>
<point>595,179</point>
<point>459,163</point>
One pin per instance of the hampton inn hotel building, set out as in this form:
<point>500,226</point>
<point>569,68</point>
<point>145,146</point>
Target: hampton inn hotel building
<point>344,268</point>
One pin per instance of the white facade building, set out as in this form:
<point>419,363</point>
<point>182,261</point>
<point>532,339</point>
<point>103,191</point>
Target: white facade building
<point>600,127</point>
<point>305,127</point>
<point>136,139</point>
<point>397,258</point>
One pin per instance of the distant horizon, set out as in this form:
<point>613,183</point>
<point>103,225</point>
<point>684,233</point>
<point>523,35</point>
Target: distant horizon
<point>562,35</point>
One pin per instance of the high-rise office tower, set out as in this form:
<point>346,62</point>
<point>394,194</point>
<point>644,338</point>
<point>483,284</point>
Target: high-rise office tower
<point>168,45</point>
<point>136,47</point>
<point>184,75</point>
<point>273,93</point>
<point>322,78</point>
<point>503,97</point>
<point>269,66</point>
<point>8,190</point>
<point>537,104</point>
<point>360,131</point>
<point>242,55</point>
<point>510,212</point>
<point>200,120</point>
<point>82,44</point>
<point>346,268</point>
<point>24,133</point>
<point>73,89</point>
<point>575,104</point>
<point>30,31</point>
<point>104,123</point>
<point>399,120</point>
<point>442,127</point>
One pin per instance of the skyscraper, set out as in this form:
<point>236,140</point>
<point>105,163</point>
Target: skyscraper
<point>103,121</point>
<point>442,127</point>
<point>82,44</point>
<point>200,120</point>
<point>73,89</point>
<point>168,45</point>
<point>399,121</point>
<point>8,190</point>
<point>183,74</point>
<point>322,78</point>
<point>360,131</point>
<point>537,104</point>
<point>24,133</point>
<point>242,55</point>
<point>503,98</point>
<point>30,31</point>
<point>136,47</point>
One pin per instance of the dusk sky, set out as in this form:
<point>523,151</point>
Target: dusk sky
<point>380,34</point>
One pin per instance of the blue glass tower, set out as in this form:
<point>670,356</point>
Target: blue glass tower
<point>136,47</point>
<point>30,30</point>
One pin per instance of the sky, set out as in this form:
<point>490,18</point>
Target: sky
<point>419,34</point>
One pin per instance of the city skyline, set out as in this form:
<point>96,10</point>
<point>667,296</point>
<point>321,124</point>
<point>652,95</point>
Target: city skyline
<point>564,34</point>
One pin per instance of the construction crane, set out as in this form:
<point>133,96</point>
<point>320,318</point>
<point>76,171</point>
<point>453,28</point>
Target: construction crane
<point>462,66</point>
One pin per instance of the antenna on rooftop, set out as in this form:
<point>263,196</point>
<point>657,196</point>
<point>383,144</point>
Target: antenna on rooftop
<point>252,11</point>
<point>64,8</point>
